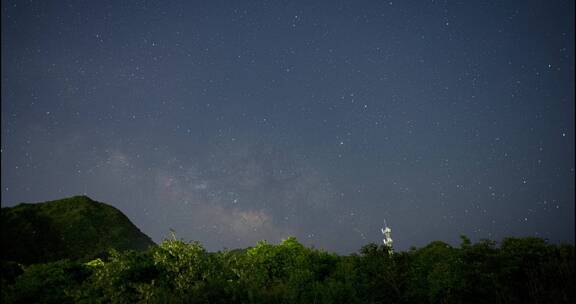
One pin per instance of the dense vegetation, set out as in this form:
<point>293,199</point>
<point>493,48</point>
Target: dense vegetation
<point>520,270</point>
<point>74,228</point>
<point>77,250</point>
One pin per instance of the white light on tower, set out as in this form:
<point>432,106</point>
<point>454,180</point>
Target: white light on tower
<point>387,232</point>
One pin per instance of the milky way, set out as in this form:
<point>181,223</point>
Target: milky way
<point>236,121</point>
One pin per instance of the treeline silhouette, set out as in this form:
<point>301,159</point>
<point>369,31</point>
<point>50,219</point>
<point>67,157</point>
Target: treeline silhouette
<point>519,270</point>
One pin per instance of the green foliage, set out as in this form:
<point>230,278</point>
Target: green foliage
<point>72,228</point>
<point>10,271</point>
<point>81,251</point>
<point>435,274</point>
<point>481,263</point>
<point>377,280</point>
<point>284,273</point>
<point>539,269</point>
<point>46,283</point>
<point>521,270</point>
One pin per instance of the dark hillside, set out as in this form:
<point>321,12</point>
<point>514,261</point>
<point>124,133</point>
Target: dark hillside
<point>73,228</point>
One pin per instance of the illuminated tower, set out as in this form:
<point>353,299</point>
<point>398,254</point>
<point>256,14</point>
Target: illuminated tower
<point>387,232</point>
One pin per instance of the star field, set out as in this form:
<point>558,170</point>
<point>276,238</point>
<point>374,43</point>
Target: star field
<point>233,122</point>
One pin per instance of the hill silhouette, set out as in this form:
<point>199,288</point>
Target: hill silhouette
<point>76,228</point>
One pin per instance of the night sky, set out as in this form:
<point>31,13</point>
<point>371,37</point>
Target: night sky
<point>236,121</point>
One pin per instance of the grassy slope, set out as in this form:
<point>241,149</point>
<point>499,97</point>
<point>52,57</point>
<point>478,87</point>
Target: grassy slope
<point>74,228</point>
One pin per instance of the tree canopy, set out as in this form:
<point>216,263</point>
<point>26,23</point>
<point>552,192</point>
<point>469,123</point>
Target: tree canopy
<point>520,270</point>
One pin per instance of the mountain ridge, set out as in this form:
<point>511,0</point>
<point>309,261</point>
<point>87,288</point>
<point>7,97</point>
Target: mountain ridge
<point>76,228</point>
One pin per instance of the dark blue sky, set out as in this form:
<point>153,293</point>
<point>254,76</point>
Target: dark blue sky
<point>235,121</point>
